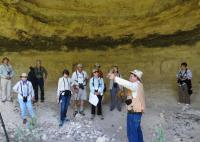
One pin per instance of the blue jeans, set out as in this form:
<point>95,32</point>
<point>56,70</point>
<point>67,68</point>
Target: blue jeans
<point>24,106</point>
<point>65,100</point>
<point>134,131</point>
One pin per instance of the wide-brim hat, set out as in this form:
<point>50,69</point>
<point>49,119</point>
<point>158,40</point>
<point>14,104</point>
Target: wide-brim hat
<point>79,65</point>
<point>23,75</point>
<point>137,73</point>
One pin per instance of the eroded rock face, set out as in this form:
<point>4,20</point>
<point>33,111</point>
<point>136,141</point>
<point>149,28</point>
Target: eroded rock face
<point>65,22</point>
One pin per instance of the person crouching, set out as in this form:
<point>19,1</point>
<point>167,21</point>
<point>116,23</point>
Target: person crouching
<point>25,92</point>
<point>64,95</point>
<point>96,90</point>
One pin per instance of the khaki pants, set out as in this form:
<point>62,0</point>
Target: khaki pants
<point>5,89</point>
<point>184,97</point>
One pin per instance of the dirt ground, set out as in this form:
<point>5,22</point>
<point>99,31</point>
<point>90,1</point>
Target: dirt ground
<point>164,119</point>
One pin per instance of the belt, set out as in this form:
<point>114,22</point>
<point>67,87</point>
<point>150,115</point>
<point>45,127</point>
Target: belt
<point>133,112</point>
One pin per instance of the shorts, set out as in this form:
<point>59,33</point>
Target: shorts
<point>81,95</point>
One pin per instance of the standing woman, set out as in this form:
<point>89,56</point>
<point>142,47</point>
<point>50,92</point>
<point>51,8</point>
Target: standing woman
<point>64,95</point>
<point>184,77</point>
<point>96,88</point>
<point>6,75</point>
<point>25,92</point>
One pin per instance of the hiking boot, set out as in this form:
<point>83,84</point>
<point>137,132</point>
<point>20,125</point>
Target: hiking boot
<point>92,117</point>
<point>82,113</point>
<point>75,113</point>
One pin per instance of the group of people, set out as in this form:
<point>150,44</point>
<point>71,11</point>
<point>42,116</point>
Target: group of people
<point>74,88</point>
<point>26,88</point>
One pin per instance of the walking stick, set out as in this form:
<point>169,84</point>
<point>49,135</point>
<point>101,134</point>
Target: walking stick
<point>4,128</point>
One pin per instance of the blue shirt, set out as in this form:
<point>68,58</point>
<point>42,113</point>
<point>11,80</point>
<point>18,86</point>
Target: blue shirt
<point>96,83</point>
<point>6,71</point>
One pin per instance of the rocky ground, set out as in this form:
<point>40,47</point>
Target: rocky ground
<point>164,121</point>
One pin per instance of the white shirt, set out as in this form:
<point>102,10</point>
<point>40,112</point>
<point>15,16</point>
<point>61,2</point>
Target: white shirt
<point>64,84</point>
<point>80,77</point>
<point>24,89</point>
<point>133,86</point>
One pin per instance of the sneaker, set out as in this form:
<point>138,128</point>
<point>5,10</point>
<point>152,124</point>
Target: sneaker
<point>75,113</point>
<point>35,101</point>
<point>179,103</point>
<point>119,109</point>
<point>82,113</point>
<point>10,100</point>
<point>61,123</point>
<point>101,117</point>
<point>92,117</point>
<point>67,119</point>
<point>24,123</point>
<point>111,109</point>
<point>3,101</point>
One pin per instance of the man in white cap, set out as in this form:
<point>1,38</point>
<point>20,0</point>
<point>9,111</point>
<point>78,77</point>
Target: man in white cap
<point>25,92</point>
<point>80,78</point>
<point>135,104</point>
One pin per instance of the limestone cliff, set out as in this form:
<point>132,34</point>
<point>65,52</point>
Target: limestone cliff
<point>50,24</point>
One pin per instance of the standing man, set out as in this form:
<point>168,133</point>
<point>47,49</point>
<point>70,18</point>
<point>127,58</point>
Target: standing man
<point>32,77</point>
<point>115,89</point>
<point>6,74</point>
<point>184,77</point>
<point>135,103</point>
<point>80,78</point>
<point>41,75</point>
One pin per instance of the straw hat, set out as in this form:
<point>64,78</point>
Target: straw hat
<point>79,65</point>
<point>23,75</point>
